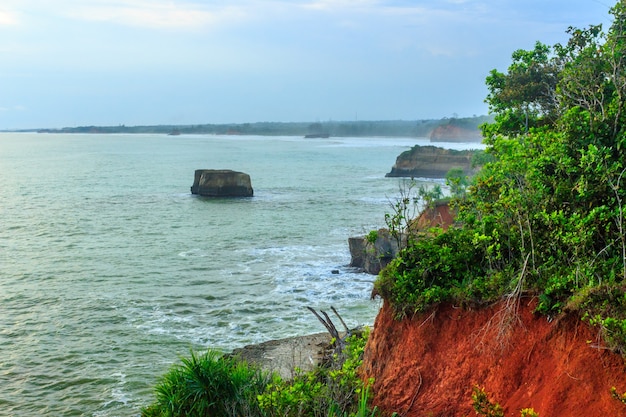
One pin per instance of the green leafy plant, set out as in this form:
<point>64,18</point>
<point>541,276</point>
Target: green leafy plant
<point>208,384</point>
<point>457,181</point>
<point>215,385</point>
<point>372,236</point>
<point>443,267</point>
<point>545,214</point>
<point>483,406</point>
<point>618,396</point>
<point>363,409</point>
<point>403,210</point>
<point>334,391</point>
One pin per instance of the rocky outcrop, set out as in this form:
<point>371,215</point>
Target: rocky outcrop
<point>221,183</point>
<point>452,133</point>
<point>287,356</point>
<point>371,257</point>
<point>431,162</point>
<point>428,364</point>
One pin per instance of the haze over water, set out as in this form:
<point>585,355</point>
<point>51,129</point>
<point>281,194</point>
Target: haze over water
<point>110,270</point>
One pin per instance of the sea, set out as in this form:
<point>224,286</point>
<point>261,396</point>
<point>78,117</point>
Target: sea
<point>111,271</point>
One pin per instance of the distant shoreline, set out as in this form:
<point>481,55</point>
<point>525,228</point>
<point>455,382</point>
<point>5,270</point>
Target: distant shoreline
<point>436,128</point>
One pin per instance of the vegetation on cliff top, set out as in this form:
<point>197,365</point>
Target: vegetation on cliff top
<point>546,215</point>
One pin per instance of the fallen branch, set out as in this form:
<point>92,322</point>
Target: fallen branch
<point>339,343</point>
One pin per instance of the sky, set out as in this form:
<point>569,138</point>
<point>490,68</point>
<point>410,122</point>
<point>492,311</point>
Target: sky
<point>149,62</point>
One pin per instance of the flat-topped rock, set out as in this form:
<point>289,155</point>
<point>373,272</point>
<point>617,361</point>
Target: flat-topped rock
<point>286,356</point>
<point>221,183</point>
<point>431,162</point>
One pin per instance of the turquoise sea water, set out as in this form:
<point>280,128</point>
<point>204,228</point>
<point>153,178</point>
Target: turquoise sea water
<point>110,270</point>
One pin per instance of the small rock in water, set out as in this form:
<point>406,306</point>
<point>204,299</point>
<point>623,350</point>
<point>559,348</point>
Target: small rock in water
<point>334,271</point>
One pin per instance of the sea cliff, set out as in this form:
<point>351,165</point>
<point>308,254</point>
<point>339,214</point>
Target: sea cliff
<point>429,364</point>
<point>453,133</point>
<point>431,162</point>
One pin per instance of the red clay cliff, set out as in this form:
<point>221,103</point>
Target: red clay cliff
<point>428,365</point>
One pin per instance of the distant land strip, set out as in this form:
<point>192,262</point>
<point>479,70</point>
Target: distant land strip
<point>436,129</point>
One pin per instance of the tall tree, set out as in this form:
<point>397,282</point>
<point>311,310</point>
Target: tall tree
<point>524,97</point>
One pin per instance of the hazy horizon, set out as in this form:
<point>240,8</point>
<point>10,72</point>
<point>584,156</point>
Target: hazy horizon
<point>184,62</point>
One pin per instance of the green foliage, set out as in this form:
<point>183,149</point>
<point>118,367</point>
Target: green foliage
<point>208,384</point>
<point>604,306</point>
<point>335,391</point>
<point>403,210</point>
<point>483,406</point>
<point>545,214</point>
<point>215,385</point>
<point>618,396</point>
<point>434,269</point>
<point>363,409</point>
<point>372,236</point>
<point>480,158</point>
<point>457,181</point>
<point>428,195</point>
<point>523,98</point>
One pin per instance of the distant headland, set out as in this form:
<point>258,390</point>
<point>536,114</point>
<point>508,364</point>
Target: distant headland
<point>446,129</point>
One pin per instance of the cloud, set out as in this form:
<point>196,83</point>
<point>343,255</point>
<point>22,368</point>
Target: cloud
<point>17,107</point>
<point>156,14</point>
<point>334,5</point>
<point>8,18</point>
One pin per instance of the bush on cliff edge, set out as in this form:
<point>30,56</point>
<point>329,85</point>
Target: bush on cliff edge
<point>546,215</point>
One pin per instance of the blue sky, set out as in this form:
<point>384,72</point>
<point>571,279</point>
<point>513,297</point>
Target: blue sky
<point>139,62</point>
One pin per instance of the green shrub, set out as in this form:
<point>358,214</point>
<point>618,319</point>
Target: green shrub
<point>443,267</point>
<point>215,385</point>
<point>334,391</point>
<point>603,306</point>
<point>372,236</point>
<point>208,385</point>
<point>619,397</point>
<point>483,406</point>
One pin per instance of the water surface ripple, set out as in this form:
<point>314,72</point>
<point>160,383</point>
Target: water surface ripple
<point>110,270</point>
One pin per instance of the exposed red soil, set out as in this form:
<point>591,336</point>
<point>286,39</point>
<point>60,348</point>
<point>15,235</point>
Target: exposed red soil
<point>428,365</point>
<point>439,215</point>
<point>451,132</point>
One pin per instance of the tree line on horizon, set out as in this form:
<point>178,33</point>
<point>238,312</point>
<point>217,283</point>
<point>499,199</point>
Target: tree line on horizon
<point>357,128</point>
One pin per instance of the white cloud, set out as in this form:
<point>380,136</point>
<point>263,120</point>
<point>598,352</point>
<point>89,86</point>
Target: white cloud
<point>156,14</point>
<point>334,5</point>
<point>8,18</point>
<point>17,107</point>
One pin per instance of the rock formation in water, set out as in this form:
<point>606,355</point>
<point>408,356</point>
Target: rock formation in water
<point>428,364</point>
<point>221,183</point>
<point>371,257</point>
<point>431,162</point>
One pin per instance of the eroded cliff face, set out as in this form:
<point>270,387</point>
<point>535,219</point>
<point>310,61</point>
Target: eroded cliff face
<point>428,365</point>
<point>452,133</point>
<point>431,162</point>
